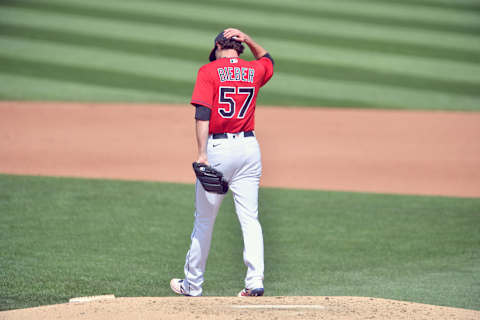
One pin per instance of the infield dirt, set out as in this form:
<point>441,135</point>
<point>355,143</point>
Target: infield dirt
<point>405,152</point>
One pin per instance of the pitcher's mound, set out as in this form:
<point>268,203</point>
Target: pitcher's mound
<point>264,308</point>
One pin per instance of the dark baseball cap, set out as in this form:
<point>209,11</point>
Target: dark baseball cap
<point>217,38</point>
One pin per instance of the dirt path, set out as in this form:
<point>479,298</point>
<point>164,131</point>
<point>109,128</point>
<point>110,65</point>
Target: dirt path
<point>407,152</point>
<point>267,308</point>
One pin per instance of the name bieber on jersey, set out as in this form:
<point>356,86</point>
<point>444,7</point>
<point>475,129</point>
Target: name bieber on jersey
<point>236,74</point>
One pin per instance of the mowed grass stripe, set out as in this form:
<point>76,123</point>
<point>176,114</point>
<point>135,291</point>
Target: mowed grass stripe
<point>318,70</point>
<point>28,88</point>
<point>141,47</point>
<point>107,28</point>
<point>359,74</point>
<point>330,26</point>
<point>458,5</point>
<point>311,53</point>
<point>308,37</point>
<point>326,93</point>
<point>259,19</point>
<point>338,12</point>
<point>374,61</point>
<point>93,75</point>
<point>337,91</point>
<point>411,10</point>
<point>286,90</point>
<point>75,55</point>
<point>280,49</point>
<point>376,95</point>
<point>124,80</point>
<point>44,88</point>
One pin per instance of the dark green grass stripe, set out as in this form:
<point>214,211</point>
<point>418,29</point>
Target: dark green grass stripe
<point>450,5</point>
<point>306,11</point>
<point>383,46</point>
<point>316,70</point>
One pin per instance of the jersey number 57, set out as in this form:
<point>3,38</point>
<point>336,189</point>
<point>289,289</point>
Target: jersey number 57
<point>224,97</point>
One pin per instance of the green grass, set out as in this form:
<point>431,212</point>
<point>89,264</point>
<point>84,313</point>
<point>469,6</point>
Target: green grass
<point>62,238</point>
<point>421,54</point>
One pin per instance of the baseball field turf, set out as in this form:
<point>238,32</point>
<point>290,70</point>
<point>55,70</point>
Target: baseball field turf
<point>62,237</point>
<point>369,53</point>
<point>71,237</point>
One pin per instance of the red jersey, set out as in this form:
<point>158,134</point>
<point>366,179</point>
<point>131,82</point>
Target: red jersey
<point>229,88</point>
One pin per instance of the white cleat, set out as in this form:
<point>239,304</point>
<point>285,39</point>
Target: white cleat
<point>177,287</point>
<point>251,292</point>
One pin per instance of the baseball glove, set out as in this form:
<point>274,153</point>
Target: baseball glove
<point>211,179</point>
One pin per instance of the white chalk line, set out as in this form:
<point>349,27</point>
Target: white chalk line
<point>93,298</point>
<point>278,306</point>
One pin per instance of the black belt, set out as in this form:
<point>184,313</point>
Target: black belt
<point>225,136</point>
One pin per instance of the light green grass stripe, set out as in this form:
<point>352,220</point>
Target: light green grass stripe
<point>307,37</point>
<point>414,66</point>
<point>15,87</point>
<point>258,19</point>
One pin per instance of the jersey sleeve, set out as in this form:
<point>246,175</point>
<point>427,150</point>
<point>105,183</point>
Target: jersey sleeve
<point>267,63</point>
<point>203,92</point>
<point>202,113</point>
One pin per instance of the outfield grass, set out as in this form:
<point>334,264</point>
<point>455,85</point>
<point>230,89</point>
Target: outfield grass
<point>62,238</point>
<point>416,54</point>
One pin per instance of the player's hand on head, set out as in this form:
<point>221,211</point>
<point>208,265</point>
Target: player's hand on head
<point>235,34</point>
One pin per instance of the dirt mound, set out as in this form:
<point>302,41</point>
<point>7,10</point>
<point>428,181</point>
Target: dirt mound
<point>266,308</point>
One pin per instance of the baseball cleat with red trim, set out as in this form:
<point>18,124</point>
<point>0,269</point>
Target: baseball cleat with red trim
<point>251,292</point>
<point>177,287</point>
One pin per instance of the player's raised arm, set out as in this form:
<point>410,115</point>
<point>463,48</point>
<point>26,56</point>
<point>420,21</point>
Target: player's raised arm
<point>257,50</point>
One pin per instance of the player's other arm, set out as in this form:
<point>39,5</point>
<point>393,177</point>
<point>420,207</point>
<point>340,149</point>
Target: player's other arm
<point>257,50</point>
<point>202,121</point>
<point>202,98</point>
<point>201,127</point>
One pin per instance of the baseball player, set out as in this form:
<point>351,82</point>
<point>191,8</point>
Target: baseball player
<point>224,97</point>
